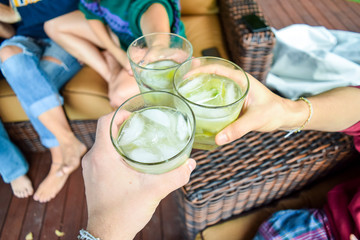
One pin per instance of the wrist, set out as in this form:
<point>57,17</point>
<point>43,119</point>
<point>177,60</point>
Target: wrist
<point>295,114</point>
<point>108,228</point>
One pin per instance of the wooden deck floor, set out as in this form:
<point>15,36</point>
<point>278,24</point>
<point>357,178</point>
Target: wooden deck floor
<point>67,212</point>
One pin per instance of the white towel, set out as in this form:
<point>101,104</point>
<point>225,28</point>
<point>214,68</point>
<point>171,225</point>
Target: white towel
<point>309,60</point>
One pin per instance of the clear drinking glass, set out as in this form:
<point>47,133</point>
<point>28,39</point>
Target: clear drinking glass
<point>215,89</point>
<point>153,135</point>
<point>154,58</point>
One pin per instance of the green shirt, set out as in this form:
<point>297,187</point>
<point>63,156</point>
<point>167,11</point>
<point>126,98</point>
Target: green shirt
<point>123,17</point>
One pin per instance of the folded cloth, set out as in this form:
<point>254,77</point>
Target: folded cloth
<point>343,209</point>
<point>296,224</point>
<point>309,60</point>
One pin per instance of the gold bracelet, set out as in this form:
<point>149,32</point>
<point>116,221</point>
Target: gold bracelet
<point>307,120</point>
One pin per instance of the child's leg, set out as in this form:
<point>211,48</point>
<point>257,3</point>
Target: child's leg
<point>74,34</point>
<point>13,166</point>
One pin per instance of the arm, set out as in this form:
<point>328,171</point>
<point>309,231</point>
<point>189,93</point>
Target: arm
<point>8,15</point>
<point>265,111</point>
<point>118,198</point>
<point>155,19</point>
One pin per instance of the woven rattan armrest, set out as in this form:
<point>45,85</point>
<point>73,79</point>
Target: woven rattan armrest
<point>256,170</point>
<point>251,51</point>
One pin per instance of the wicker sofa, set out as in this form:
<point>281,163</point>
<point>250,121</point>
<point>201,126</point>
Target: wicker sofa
<point>86,94</point>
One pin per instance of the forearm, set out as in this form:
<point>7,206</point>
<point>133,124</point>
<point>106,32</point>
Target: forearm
<point>8,15</point>
<point>334,110</point>
<point>155,19</point>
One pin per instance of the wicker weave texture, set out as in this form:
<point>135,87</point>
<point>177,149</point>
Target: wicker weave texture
<point>251,51</point>
<point>255,170</point>
<point>26,138</point>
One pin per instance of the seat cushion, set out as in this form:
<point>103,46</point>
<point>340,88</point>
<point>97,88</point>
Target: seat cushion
<point>85,96</point>
<point>198,7</point>
<point>204,31</point>
<point>10,108</point>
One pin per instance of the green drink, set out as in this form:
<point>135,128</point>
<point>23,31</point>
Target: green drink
<point>215,98</point>
<point>159,75</point>
<point>153,138</point>
<point>154,58</point>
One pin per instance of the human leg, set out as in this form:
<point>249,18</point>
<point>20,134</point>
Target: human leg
<point>37,91</point>
<point>73,33</point>
<point>19,59</point>
<point>13,166</point>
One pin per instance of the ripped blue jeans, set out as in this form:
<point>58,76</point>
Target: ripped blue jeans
<point>37,82</point>
<point>12,162</point>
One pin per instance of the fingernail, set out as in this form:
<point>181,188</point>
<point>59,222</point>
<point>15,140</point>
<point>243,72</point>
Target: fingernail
<point>191,165</point>
<point>222,139</point>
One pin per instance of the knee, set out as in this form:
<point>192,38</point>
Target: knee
<point>9,51</point>
<point>52,28</point>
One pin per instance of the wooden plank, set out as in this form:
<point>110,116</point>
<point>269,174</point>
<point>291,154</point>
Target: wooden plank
<point>152,230</point>
<point>306,16</point>
<point>270,13</point>
<point>292,13</point>
<point>172,227</point>
<point>72,219</point>
<point>330,12</point>
<point>53,215</point>
<point>350,18</point>
<point>139,236</point>
<point>18,207</point>
<point>14,219</point>
<point>85,215</point>
<point>355,7</point>
<point>313,16</point>
<point>5,200</point>
<point>39,168</point>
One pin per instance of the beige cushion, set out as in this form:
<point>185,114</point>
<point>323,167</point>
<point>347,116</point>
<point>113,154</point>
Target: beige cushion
<point>204,31</point>
<point>86,96</point>
<point>10,108</point>
<point>194,7</point>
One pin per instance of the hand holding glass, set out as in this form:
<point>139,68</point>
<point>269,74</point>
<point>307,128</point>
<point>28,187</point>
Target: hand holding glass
<point>153,131</point>
<point>214,97</point>
<point>154,58</point>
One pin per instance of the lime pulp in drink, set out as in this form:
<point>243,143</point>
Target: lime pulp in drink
<point>212,99</point>
<point>153,137</point>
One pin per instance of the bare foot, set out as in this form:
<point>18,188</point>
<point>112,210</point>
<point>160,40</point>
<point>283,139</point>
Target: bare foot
<point>121,88</point>
<point>22,187</point>
<point>65,159</point>
<point>51,185</point>
<point>71,152</point>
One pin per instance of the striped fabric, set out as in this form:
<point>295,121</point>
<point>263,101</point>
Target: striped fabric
<point>296,225</point>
